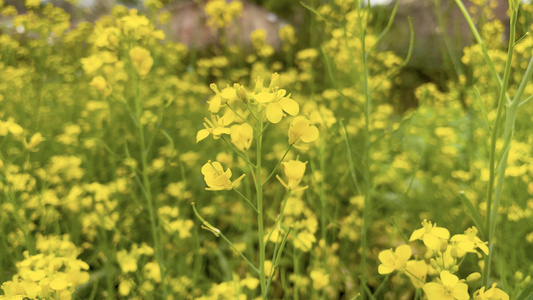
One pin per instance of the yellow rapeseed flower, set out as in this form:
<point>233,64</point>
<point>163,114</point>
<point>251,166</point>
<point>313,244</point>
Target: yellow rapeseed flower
<point>141,60</point>
<point>100,84</point>
<point>10,126</point>
<point>294,170</point>
<point>228,94</point>
<point>277,104</point>
<point>431,235</point>
<point>92,63</point>
<point>320,278</point>
<point>449,288</point>
<point>221,14</point>
<point>302,130</point>
<point>493,293</point>
<point>468,242</point>
<point>391,261</point>
<point>417,271</point>
<point>35,140</point>
<point>32,3</point>
<point>241,136</point>
<point>216,179</point>
<point>216,126</point>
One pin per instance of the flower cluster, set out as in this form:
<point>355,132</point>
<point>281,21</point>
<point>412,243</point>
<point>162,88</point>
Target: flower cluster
<point>53,273</point>
<point>442,259</point>
<point>222,14</point>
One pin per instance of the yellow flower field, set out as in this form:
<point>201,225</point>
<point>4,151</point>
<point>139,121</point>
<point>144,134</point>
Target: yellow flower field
<point>133,166</point>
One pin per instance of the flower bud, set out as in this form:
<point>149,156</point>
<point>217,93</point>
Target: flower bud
<point>274,81</point>
<point>241,92</point>
<point>455,269</point>
<point>443,246</point>
<point>453,252</point>
<point>258,85</point>
<point>473,277</point>
<point>518,276</point>
<point>434,264</point>
<point>526,281</point>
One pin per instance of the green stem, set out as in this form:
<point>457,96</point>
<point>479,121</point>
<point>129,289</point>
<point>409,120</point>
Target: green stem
<point>277,258</point>
<point>247,200</point>
<point>217,233</point>
<point>366,156</point>
<point>280,214</point>
<point>239,153</point>
<point>277,165</point>
<point>486,56</point>
<point>147,188</point>
<point>259,193</point>
<point>489,219</point>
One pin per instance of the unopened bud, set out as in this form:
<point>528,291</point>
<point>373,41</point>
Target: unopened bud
<point>434,264</point>
<point>518,276</point>
<point>453,252</point>
<point>473,277</point>
<point>455,269</point>
<point>258,85</point>
<point>214,88</point>
<point>274,81</point>
<point>241,93</point>
<point>443,246</point>
<point>527,280</point>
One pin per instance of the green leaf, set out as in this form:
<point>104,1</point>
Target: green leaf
<point>472,212</point>
<point>483,109</point>
<point>527,293</point>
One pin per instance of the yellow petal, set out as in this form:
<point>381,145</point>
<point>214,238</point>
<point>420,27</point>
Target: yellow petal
<point>214,104</point>
<point>417,235</point>
<point>403,253</point>
<point>435,291</point>
<point>310,135</point>
<point>431,241</point>
<point>386,257</point>
<point>58,283</point>
<point>264,97</point>
<point>274,113</point>
<point>419,269</point>
<point>448,279</point>
<point>383,269</point>
<point>289,106</point>
<point>460,291</point>
<point>202,134</point>
<point>441,232</point>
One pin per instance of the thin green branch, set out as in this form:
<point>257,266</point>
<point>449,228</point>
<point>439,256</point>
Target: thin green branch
<point>277,165</point>
<point>217,232</point>
<point>239,153</point>
<point>247,200</point>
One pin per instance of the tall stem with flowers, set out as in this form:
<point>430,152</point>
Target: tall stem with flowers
<point>251,114</point>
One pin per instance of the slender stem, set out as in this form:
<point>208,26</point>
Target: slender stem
<point>147,187</point>
<point>366,156</point>
<point>217,233</point>
<point>280,214</point>
<point>479,40</point>
<point>247,200</point>
<point>240,254</point>
<point>277,165</point>
<point>237,151</point>
<point>237,114</point>
<point>416,277</point>
<point>277,258</point>
<point>492,156</point>
<point>259,193</point>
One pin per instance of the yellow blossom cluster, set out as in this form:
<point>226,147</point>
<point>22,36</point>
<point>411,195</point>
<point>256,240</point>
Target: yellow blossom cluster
<point>222,14</point>
<point>54,272</point>
<point>442,259</point>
